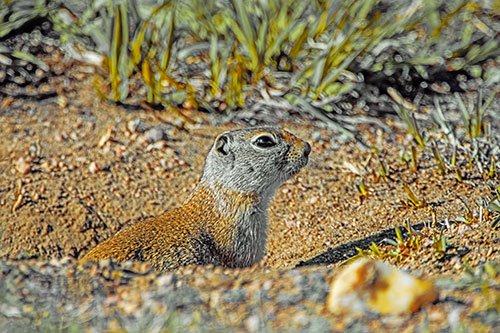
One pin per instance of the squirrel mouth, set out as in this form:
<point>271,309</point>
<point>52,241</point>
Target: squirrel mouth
<point>297,166</point>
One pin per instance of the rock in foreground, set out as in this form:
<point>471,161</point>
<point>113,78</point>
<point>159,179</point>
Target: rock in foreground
<point>372,285</point>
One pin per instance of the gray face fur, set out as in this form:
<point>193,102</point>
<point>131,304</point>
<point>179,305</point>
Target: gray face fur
<point>251,161</point>
<point>254,160</point>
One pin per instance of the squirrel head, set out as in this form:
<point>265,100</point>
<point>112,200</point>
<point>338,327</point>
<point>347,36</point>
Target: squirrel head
<point>254,160</point>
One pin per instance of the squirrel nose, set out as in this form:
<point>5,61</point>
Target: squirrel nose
<point>307,149</point>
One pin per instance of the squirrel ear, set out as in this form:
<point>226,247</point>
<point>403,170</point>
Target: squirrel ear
<point>222,145</point>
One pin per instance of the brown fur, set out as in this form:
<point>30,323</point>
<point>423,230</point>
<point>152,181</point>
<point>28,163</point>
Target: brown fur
<point>159,239</point>
<point>217,225</point>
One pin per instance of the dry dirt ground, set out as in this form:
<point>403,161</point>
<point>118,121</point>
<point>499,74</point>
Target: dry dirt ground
<point>74,170</point>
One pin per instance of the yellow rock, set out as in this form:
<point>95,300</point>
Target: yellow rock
<point>372,285</point>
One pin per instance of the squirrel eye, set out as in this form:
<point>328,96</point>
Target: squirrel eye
<point>264,141</point>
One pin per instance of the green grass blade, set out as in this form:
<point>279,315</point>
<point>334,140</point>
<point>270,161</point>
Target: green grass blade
<point>246,33</point>
<point>30,58</point>
<point>300,41</point>
<point>115,54</point>
<point>413,199</point>
<point>170,43</point>
<point>125,65</point>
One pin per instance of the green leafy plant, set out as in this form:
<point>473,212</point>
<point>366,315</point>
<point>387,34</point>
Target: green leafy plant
<point>473,118</point>
<point>443,36</point>
<point>491,207</point>
<point>303,54</point>
<point>15,14</point>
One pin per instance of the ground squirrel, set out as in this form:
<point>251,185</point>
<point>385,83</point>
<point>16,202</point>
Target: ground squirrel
<point>224,221</point>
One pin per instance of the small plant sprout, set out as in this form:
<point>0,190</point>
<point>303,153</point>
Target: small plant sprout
<point>360,186</point>
<point>414,163</point>
<point>383,170</point>
<point>491,209</point>
<point>433,216</point>
<point>404,245</point>
<point>439,118</point>
<point>375,251</point>
<point>372,251</point>
<point>440,243</point>
<point>493,168</point>
<point>361,254</point>
<point>454,157</point>
<point>474,125</point>
<point>411,124</point>
<point>439,159</point>
<point>465,115</point>
<point>412,198</point>
<point>458,172</point>
<point>469,216</point>
<point>478,121</point>
<point>404,157</point>
<point>469,163</point>
<point>477,158</point>
<point>412,240</point>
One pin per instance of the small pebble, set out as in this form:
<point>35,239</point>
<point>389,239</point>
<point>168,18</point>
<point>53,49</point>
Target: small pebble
<point>94,168</point>
<point>312,200</point>
<point>105,138</point>
<point>62,101</point>
<point>252,323</point>
<point>157,145</point>
<point>136,125</point>
<point>152,135</point>
<point>119,150</point>
<point>22,166</point>
<point>35,196</point>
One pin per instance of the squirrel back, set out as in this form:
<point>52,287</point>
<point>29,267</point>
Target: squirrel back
<point>224,221</point>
